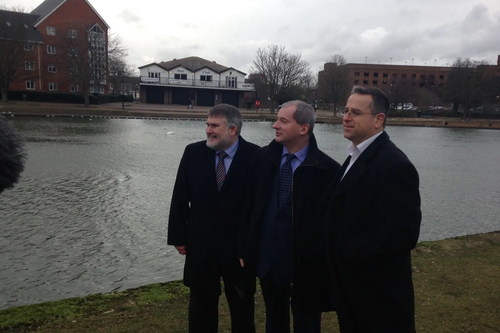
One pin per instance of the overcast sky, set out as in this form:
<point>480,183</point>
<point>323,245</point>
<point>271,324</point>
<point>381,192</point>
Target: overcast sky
<point>230,32</point>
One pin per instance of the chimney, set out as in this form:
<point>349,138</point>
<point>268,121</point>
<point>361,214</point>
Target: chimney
<point>498,61</point>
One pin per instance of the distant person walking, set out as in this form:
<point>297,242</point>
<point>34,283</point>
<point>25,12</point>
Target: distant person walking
<point>190,106</point>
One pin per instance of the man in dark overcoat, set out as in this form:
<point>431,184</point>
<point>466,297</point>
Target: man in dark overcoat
<point>373,223</point>
<point>283,233</point>
<point>205,216</point>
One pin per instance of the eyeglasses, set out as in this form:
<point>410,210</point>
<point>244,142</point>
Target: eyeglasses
<point>355,113</point>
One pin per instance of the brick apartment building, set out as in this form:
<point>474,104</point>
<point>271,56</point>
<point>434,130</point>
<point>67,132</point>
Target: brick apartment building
<point>399,79</point>
<point>194,80</point>
<point>50,29</point>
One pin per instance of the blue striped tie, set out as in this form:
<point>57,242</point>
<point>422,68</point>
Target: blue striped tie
<point>285,180</point>
<point>221,169</point>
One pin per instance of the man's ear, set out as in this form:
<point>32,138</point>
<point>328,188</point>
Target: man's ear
<point>380,120</point>
<point>233,130</point>
<point>304,130</point>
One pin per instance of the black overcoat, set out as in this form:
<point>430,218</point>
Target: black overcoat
<point>373,224</point>
<point>310,180</point>
<point>205,220</point>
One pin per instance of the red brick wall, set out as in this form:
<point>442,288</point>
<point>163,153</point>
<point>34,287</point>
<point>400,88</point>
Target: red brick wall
<point>73,14</point>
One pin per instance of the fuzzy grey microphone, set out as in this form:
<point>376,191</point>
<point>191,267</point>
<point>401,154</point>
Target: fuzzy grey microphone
<point>12,155</point>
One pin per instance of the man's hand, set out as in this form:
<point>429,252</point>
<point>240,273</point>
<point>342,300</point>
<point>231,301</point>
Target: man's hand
<point>242,262</point>
<point>181,249</point>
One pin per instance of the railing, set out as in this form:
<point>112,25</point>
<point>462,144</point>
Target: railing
<point>196,83</point>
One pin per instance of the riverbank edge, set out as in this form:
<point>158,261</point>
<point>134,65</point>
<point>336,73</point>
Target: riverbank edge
<point>159,112</point>
<point>455,287</point>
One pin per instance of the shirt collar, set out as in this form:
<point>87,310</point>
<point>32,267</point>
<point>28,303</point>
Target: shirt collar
<point>232,149</point>
<point>363,145</point>
<point>300,155</point>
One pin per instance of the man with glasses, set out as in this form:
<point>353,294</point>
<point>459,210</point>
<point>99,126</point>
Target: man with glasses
<point>373,223</point>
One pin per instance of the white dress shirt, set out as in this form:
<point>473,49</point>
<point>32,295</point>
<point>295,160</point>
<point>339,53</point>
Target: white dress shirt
<point>355,152</point>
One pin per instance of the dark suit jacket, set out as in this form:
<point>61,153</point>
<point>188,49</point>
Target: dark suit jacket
<point>310,180</point>
<point>374,223</point>
<point>205,220</point>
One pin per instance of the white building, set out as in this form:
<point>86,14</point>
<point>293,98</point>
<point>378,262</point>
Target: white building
<point>196,80</point>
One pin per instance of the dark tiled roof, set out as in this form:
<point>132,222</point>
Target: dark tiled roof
<point>21,26</point>
<point>46,7</point>
<point>193,64</point>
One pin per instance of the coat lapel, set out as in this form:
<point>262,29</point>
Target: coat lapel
<point>237,163</point>
<point>359,167</point>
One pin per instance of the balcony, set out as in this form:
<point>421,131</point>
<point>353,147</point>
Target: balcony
<point>231,85</point>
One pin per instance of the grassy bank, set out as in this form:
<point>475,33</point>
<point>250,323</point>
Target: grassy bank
<point>457,289</point>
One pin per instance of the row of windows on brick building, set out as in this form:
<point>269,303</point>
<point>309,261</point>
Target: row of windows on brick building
<point>394,83</point>
<point>395,75</point>
<point>31,85</point>
<point>51,31</point>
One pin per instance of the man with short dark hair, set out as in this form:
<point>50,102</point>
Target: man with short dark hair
<point>284,228</point>
<point>373,223</point>
<point>204,221</point>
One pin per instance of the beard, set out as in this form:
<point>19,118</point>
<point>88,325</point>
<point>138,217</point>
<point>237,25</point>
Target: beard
<point>219,142</point>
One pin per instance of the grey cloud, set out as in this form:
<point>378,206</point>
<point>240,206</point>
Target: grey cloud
<point>129,16</point>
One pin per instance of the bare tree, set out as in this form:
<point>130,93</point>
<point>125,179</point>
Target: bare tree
<point>84,55</point>
<point>118,68</point>
<point>13,36</point>
<point>466,83</point>
<point>278,70</point>
<point>333,84</point>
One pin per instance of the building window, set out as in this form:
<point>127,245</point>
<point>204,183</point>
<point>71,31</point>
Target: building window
<point>375,83</point>
<point>51,49</point>
<point>29,47</point>
<point>30,85</point>
<point>394,75</point>
<point>441,85</point>
<point>73,88</point>
<point>384,82</point>
<point>441,77</point>
<point>52,68</point>
<point>29,65</point>
<point>403,76</point>
<point>71,33</point>
<point>422,76</point>
<point>97,89</point>
<point>180,76</point>
<point>153,74</point>
<point>365,82</point>
<point>207,78</point>
<point>231,82</point>
<point>414,76</point>
<point>52,86</point>
<point>51,31</point>
<point>356,81</point>
<point>422,84</point>
<point>71,70</point>
<point>375,74</point>
<point>366,74</point>
<point>356,73</point>
<point>385,75</point>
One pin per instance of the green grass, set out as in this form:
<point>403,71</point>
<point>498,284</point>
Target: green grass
<point>457,290</point>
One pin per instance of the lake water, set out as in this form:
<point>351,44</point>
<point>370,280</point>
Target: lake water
<point>90,212</point>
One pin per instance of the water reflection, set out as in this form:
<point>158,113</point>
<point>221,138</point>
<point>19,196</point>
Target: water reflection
<point>90,212</point>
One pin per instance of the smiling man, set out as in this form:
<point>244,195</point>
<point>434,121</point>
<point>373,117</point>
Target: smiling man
<point>374,222</point>
<point>283,229</point>
<point>205,212</point>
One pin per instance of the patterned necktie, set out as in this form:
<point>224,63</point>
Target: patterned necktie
<point>221,169</point>
<point>285,180</point>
